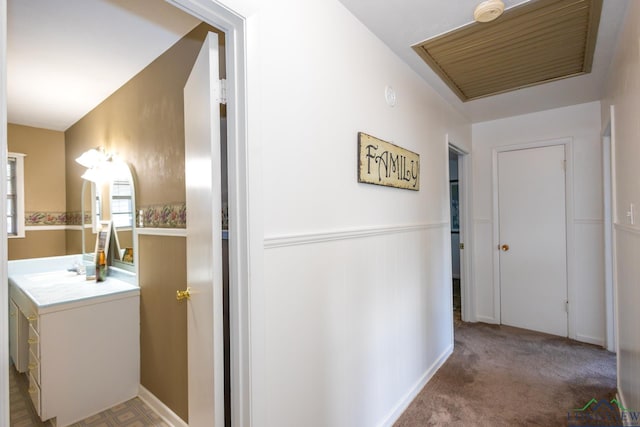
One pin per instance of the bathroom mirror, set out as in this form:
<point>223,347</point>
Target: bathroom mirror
<point>111,198</point>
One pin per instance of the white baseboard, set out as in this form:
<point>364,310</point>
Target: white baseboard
<point>160,408</point>
<point>486,319</point>
<point>411,394</point>
<point>590,340</point>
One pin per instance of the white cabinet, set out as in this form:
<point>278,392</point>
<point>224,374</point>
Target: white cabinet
<point>83,356</point>
<point>18,332</point>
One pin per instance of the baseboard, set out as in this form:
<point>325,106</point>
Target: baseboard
<point>590,340</point>
<point>408,398</point>
<point>160,408</point>
<point>486,319</point>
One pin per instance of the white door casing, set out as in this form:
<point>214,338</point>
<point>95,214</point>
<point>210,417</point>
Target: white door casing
<point>204,239</point>
<point>532,222</point>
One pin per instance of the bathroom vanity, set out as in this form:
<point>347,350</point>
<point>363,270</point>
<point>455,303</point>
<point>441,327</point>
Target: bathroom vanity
<point>78,340</point>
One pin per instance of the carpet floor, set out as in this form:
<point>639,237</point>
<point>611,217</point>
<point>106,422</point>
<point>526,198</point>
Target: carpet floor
<point>504,376</point>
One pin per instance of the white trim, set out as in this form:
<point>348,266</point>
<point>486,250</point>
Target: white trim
<point>630,229</point>
<point>4,290</point>
<point>483,220</point>
<point>357,233</point>
<point>588,221</point>
<point>242,221</point>
<point>47,227</point>
<point>570,221</point>
<point>167,232</point>
<point>487,319</point>
<point>590,340</point>
<point>20,217</point>
<point>406,400</point>
<point>160,408</point>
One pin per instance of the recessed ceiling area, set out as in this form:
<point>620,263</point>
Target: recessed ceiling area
<point>64,57</point>
<point>401,25</point>
<point>534,43</point>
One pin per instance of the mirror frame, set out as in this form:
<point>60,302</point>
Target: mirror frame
<point>123,171</point>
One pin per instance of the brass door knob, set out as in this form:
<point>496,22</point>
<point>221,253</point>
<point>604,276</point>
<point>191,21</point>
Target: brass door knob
<point>186,294</point>
<point>504,248</point>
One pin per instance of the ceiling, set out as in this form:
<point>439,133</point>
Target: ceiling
<point>403,24</point>
<point>64,57</point>
<point>534,43</point>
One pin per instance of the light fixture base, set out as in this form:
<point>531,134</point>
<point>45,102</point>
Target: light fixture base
<point>488,10</point>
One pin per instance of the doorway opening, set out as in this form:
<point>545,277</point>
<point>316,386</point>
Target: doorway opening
<point>456,203</point>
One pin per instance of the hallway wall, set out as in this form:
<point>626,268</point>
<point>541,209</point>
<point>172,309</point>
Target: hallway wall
<point>351,305</point>
<point>623,92</point>
<point>581,123</point>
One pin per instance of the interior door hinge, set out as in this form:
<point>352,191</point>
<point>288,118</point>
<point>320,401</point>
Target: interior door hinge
<point>566,306</point>
<point>461,246</point>
<point>223,91</point>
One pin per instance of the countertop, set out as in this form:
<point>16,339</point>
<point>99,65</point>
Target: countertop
<point>52,290</point>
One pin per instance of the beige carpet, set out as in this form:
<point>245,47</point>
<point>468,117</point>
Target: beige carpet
<point>504,376</point>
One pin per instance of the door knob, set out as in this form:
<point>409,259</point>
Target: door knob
<point>504,248</point>
<point>186,294</point>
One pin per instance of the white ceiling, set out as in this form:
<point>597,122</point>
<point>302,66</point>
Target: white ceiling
<point>401,24</point>
<point>64,57</point>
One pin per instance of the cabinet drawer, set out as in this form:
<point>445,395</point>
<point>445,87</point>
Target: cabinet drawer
<point>34,342</point>
<point>34,367</point>
<point>34,393</point>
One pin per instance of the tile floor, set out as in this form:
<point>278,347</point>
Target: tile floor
<point>133,413</point>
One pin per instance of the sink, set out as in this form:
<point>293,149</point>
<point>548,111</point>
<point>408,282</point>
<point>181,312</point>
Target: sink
<point>57,276</point>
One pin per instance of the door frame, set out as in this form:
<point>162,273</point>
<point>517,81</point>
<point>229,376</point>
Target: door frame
<point>464,197</point>
<point>233,26</point>
<point>4,290</point>
<point>570,236</point>
<point>609,200</point>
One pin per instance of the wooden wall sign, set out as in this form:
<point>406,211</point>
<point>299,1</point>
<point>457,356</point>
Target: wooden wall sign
<point>383,163</point>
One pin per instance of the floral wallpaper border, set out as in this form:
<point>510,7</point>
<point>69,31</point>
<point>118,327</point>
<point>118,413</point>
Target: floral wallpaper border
<point>45,218</point>
<point>163,216</point>
<point>42,218</point>
<point>172,215</point>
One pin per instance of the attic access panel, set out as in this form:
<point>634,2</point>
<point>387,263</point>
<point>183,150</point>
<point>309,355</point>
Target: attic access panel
<point>537,42</point>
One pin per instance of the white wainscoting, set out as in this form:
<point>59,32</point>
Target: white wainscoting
<point>627,266</point>
<point>487,297</point>
<point>355,322</point>
<point>587,304</point>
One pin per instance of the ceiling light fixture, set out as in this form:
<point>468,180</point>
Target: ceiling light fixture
<point>488,10</point>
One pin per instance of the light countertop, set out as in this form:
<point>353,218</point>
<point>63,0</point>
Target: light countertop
<point>50,290</point>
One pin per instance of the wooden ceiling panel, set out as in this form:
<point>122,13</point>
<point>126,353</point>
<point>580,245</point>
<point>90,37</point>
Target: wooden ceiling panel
<point>534,43</point>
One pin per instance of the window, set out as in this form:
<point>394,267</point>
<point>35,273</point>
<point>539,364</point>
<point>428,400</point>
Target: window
<point>121,204</point>
<point>15,195</point>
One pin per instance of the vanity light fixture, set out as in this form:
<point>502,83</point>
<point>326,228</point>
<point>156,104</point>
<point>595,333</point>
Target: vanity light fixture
<point>93,157</point>
<point>97,162</point>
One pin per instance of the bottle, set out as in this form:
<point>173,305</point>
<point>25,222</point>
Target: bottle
<point>101,267</point>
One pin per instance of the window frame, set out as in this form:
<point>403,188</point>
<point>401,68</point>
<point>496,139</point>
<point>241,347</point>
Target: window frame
<point>20,217</point>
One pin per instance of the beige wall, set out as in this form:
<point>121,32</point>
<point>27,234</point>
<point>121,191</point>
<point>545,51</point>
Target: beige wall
<point>44,183</point>
<point>38,244</point>
<point>163,320</point>
<point>143,122</point>
<point>623,92</point>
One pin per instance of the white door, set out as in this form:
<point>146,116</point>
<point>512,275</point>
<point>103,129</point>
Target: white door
<point>204,243</point>
<point>532,232</point>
